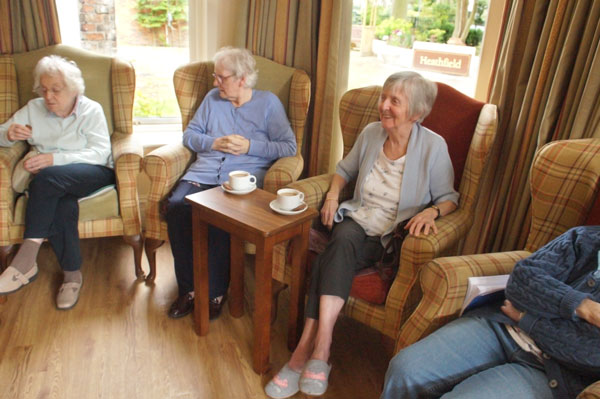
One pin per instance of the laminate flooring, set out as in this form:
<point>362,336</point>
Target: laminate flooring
<point>118,342</point>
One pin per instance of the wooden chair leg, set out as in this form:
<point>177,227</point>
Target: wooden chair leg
<point>276,288</point>
<point>6,254</point>
<point>137,243</point>
<point>151,245</point>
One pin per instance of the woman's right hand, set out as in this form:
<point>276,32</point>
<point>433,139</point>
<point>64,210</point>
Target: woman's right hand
<point>18,132</point>
<point>328,210</point>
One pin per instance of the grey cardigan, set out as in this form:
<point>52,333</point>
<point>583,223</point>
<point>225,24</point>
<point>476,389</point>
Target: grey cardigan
<point>428,175</point>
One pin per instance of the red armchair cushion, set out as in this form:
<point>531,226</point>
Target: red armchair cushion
<point>593,217</point>
<point>454,116</point>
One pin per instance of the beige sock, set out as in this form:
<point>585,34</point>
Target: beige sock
<point>72,277</point>
<point>26,256</point>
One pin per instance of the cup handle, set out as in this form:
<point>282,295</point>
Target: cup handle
<point>252,179</point>
<point>301,196</point>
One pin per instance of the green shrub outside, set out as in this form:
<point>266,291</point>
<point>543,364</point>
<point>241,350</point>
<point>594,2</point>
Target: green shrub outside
<point>149,106</point>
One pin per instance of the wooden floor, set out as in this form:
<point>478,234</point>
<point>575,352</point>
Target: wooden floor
<point>118,342</point>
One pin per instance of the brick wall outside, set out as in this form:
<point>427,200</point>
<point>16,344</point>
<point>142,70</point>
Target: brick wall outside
<point>98,28</point>
<point>104,22</point>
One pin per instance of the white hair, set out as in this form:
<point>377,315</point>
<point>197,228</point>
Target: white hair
<point>54,65</point>
<point>240,62</point>
<point>419,92</point>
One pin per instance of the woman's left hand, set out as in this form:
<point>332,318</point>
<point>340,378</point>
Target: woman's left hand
<point>233,144</point>
<point>509,309</point>
<point>423,221</point>
<point>38,162</point>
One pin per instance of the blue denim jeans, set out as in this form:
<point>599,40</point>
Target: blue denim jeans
<point>464,359</point>
<point>53,211</point>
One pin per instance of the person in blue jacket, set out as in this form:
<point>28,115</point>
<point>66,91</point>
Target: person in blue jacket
<point>542,342</point>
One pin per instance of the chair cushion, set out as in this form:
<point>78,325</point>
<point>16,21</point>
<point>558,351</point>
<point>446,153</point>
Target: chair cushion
<point>367,284</point>
<point>102,204</point>
<point>454,116</point>
<point>593,217</point>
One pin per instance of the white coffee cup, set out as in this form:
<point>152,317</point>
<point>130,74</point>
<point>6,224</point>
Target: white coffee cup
<point>288,198</point>
<point>240,180</point>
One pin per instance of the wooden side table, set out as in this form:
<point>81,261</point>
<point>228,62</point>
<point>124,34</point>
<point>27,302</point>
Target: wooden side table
<point>249,218</point>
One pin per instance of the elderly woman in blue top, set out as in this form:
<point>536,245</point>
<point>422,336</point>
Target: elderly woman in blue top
<point>74,159</point>
<point>402,172</point>
<point>235,128</point>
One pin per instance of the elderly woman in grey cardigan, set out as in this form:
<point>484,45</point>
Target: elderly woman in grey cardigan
<point>403,173</point>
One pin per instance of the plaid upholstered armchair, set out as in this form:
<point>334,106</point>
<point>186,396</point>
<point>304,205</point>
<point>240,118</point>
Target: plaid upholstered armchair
<point>165,166</point>
<point>565,183</point>
<point>469,128</point>
<point>111,82</point>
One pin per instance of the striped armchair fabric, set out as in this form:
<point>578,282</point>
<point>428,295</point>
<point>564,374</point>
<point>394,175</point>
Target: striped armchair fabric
<point>111,82</point>
<point>165,166</point>
<point>565,181</point>
<point>358,108</point>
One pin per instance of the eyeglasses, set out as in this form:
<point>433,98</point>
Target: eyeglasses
<point>220,79</point>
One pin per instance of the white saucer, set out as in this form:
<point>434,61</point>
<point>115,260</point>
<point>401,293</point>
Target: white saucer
<point>238,192</point>
<point>273,205</point>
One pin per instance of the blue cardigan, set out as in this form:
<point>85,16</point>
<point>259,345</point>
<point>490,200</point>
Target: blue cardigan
<point>548,286</point>
<point>428,173</point>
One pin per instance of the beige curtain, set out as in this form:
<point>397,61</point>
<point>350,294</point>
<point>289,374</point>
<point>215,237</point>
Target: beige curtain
<point>546,84</point>
<point>27,25</point>
<point>312,35</point>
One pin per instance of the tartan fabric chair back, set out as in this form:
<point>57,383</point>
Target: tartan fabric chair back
<point>565,180</point>
<point>110,82</point>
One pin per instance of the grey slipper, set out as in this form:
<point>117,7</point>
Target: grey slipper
<point>284,384</point>
<point>68,295</point>
<point>314,378</point>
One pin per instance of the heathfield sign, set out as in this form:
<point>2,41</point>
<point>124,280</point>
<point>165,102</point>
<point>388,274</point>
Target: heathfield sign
<point>444,58</point>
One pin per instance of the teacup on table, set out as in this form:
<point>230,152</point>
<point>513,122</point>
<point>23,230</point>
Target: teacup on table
<point>288,199</point>
<point>240,180</point>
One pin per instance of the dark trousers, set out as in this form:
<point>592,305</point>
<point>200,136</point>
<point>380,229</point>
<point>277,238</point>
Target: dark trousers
<point>348,251</point>
<point>52,209</point>
<point>179,226</point>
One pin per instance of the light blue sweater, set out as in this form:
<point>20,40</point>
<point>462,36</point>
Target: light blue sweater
<point>81,137</point>
<point>428,173</point>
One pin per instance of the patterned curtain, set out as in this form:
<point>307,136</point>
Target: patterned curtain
<point>546,84</point>
<point>27,25</point>
<point>312,35</point>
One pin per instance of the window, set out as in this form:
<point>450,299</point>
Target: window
<point>151,34</point>
<point>396,35</point>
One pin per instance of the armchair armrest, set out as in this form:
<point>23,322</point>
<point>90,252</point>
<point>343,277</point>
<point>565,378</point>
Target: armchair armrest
<point>591,392</point>
<point>443,282</point>
<point>164,166</point>
<point>283,172</point>
<point>127,154</point>
<point>9,156</point>
<point>314,188</point>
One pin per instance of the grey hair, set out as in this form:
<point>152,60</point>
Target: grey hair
<point>240,62</point>
<point>420,92</point>
<point>54,65</point>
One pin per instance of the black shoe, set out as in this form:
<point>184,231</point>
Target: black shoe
<point>182,306</point>
<point>214,308</point>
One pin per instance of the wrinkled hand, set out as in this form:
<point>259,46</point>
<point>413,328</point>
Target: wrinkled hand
<point>512,312</point>
<point>422,222</point>
<point>328,210</point>
<point>18,132</point>
<point>38,162</point>
<point>232,144</point>
<point>589,311</point>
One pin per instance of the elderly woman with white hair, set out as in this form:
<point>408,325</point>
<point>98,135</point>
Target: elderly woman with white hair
<point>235,128</point>
<point>72,159</point>
<point>403,174</point>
